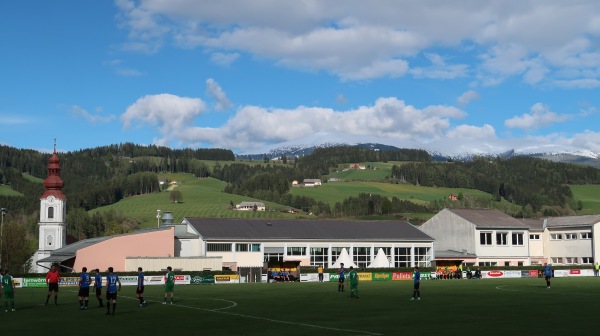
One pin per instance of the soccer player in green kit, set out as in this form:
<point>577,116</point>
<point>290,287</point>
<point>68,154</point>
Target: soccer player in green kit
<point>353,277</point>
<point>8,289</point>
<point>169,284</point>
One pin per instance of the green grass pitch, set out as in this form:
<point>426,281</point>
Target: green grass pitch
<point>448,307</point>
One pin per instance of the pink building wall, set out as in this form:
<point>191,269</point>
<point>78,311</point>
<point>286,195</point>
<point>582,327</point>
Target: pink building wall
<point>112,252</point>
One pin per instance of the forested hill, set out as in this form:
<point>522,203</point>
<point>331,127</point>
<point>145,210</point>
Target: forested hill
<point>102,175</point>
<point>521,180</point>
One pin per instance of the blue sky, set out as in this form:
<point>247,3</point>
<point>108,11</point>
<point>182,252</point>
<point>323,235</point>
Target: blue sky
<point>473,76</point>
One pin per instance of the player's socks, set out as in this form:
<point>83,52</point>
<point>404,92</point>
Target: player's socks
<point>114,308</point>
<point>80,304</point>
<point>47,299</point>
<point>86,303</point>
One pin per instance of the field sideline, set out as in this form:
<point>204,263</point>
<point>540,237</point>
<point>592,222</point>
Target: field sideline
<point>450,307</point>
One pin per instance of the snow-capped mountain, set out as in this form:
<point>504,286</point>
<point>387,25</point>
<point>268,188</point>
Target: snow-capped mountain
<point>442,149</point>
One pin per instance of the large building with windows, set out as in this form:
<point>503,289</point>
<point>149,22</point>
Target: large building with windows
<point>488,237</point>
<point>260,242</point>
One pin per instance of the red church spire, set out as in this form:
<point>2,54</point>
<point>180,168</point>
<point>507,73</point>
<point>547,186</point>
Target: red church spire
<point>53,183</point>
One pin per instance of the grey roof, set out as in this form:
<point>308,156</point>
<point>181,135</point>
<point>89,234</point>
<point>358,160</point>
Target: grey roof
<point>454,254</point>
<point>296,229</point>
<point>586,220</point>
<point>488,218</point>
<point>534,224</point>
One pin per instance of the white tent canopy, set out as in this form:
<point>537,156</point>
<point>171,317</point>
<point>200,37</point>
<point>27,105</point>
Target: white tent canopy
<point>380,261</point>
<point>345,259</point>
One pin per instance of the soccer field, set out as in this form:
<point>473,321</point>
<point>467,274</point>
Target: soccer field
<point>448,307</point>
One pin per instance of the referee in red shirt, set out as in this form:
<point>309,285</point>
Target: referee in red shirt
<point>52,279</point>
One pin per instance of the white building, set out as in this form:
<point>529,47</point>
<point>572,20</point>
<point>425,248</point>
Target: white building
<point>311,182</point>
<point>489,237</point>
<point>570,240</point>
<point>250,206</point>
<point>486,237</point>
<point>52,225</point>
<point>267,242</point>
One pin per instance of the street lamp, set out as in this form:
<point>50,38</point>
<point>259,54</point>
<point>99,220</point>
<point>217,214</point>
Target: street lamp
<point>158,218</point>
<point>3,212</point>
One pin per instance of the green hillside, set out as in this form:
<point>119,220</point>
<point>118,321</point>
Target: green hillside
<point>333,192</point>
<point>201,198</point>
<point>590,196</point>
<point>5,190</point>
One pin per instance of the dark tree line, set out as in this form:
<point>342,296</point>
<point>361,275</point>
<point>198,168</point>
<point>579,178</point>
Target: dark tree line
<point>520,180</point>
<point>324,160</point>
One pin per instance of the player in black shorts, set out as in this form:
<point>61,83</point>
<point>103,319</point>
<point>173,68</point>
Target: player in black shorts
<point>139,291</point>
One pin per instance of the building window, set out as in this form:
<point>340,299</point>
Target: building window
<point>50,212</point>
<point>241,247</point>
<point>335,253</point>
<point>485,238</point>
<point>422,256</point>
<point>571,260</point>
<point>534,237</point>
<point>586,235</point>
<point>519,263</point>
<point>318,256</point>
<point>296,251</point>
<point>402,257</point>
<point>570,236</point>
<point>488,263</point>
<point>557,260</point>
<point>501,238</point>
<point>556,236</point>
<point>272,257</point>
<point>218,247</point>
<point>517,239</point>
<point>587,260</point>
<point>507,263</point>
<point>361,256</point>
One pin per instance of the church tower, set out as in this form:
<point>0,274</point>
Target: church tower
<point>52,224</point>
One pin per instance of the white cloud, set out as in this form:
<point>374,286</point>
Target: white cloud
<point>472,132</point>
<point>468,97</point>
<point>534,41</point>
<point>224,59</point>
<point>341,99</point>
<point>254,127</point>
<point>91,118</point>
<point>213,90</point>
<point>167,112</point>
<point>539,116</point>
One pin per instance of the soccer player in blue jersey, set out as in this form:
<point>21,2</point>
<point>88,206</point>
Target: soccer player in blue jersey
<point>84,289</point>
<point>113,284</point>
<point>547,274</point>
<point>139,292</point>
<point>417,284</point>
<point>98,287</point>
<point>342,274</point>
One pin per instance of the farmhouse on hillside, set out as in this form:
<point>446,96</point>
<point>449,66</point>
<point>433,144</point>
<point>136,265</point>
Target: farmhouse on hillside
<point>311,182</point>
<point>250,206</point>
